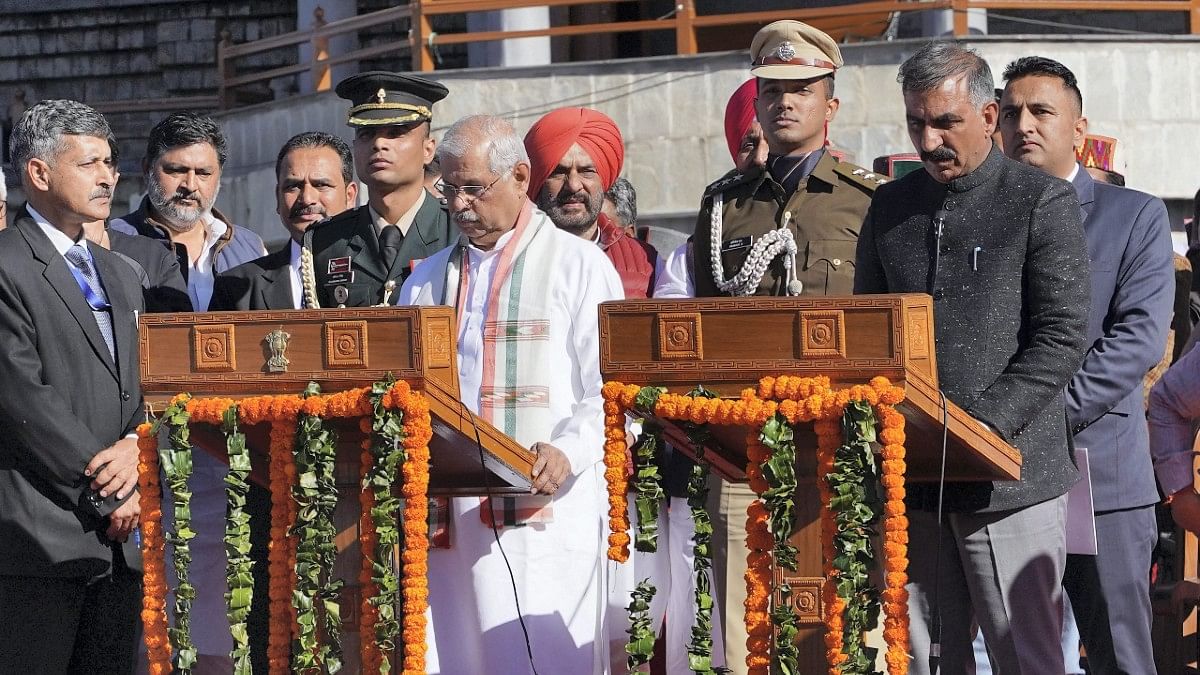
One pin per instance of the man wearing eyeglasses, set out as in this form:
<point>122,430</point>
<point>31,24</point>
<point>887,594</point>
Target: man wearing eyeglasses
<point>539,382</point>
<point>362,256</point>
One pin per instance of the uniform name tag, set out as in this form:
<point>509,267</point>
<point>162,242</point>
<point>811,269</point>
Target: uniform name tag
<point>339,278</point>
<point>339,265</point>
<point>737,244</point>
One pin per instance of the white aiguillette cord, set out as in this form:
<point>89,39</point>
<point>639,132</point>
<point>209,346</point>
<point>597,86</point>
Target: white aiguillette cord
<point>768,247</point>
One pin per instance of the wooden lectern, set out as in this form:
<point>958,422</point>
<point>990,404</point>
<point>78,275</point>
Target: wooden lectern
<point>728,344</point>
<point>230,354</point>
<point>241,354</point>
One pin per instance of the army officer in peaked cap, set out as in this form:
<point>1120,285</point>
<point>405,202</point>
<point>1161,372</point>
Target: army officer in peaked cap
<point>362,256</point>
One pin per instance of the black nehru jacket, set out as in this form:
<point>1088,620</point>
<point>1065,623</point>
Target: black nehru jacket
<point>1010,304</point>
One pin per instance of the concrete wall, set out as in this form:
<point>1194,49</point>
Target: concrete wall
<point>670,111</point>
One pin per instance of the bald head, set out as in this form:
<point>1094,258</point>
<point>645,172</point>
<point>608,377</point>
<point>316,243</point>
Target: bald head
<point>485,173</point>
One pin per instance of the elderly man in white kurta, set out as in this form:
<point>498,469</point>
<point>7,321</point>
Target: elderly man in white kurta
<point>528,361</point>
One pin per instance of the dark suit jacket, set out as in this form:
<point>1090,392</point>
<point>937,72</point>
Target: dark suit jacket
<point>1010,307</point>
<point>62,400</point>
<point>351,235</point>
<point>1133,285</point>
<point>258,284</point>
<point>163,286</point>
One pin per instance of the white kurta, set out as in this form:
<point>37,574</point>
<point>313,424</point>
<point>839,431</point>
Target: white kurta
<point>558,568</point>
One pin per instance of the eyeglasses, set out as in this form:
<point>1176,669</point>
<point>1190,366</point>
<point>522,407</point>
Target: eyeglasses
<point>469,192</point>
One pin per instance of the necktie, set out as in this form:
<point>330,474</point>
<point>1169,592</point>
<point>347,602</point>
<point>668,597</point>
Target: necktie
<point>389,243</point>
<point>89,283</point>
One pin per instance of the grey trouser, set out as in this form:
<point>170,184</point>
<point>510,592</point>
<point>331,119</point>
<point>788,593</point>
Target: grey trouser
<point>1002,570</point>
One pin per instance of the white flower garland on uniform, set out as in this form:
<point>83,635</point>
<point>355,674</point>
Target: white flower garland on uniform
<point>767,248</point>
<point>308,279</point>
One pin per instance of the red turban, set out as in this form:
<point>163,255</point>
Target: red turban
<point>739,113</point>
<point>551,137</point>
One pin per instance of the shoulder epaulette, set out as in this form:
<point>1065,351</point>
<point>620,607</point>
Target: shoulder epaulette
<point>727,181</point>
<point>865,179</point>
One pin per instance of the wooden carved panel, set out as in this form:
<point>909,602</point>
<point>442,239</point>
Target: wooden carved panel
<point>346,344</point>
<point>917,329</point>
<point>806,599</point>
<point>822,334</point>
<point>679,336</point>
<point>439,345</point>
<point>213,348</point>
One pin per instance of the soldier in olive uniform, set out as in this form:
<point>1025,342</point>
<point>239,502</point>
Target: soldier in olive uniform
<point>362,256</point>
<point>802,189</point>
<point>804,202</point>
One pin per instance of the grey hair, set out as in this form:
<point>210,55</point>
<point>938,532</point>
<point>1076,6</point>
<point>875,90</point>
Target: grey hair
<point>3,186</point>
<point>505,149</point>
<point>624,198</point>
<point>40,130</point>
<point>936,62</point>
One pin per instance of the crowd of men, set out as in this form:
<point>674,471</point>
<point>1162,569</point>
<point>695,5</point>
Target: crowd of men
<point>1054,295</point>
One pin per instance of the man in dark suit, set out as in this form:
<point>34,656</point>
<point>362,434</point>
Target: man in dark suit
<point>363,256</point>
<point>1000,248</point>
<point>70,573</point>
<point>1129,246</point>
<point>314,180</point>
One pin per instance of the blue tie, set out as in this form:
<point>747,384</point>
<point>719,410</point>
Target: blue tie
<point>89,283</point>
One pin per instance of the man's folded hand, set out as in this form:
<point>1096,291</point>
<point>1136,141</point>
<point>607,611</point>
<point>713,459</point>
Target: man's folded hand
<point>114,470</point>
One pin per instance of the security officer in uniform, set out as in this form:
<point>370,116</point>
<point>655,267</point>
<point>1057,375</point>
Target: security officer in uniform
<point>803,189</point>
<point>802,194</point>
<point>362,256</point>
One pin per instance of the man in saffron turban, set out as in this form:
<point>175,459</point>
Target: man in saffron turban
<point>575,156</point>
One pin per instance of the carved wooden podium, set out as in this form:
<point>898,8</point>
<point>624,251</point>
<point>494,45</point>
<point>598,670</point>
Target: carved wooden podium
<point>240,354</point>
<point>728,344</point>
<point>229,354</point>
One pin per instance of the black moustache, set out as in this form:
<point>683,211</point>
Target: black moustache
<point>941,154</point>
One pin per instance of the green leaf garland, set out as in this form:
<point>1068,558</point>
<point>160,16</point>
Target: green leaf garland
<point>856,507</point>
<point>239,566</point>
<point>700,646</point>
<point>387,434</point>
<point>317,590</point>
<point>176,460</point>
<point>640,646</point>
<point>780,473</point>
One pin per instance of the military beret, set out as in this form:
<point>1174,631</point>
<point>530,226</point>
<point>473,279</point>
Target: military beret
<point>379,98</point>
<point>793,50</point>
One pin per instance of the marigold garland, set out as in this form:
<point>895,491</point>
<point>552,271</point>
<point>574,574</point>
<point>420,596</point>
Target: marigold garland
<point>617,399</point>
<point>797,400</point>
<point>414,585</point>
<point>154,600</point>
<point>398,416</point>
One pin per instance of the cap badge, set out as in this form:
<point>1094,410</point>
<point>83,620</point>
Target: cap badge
<point>786,51</point>
<point>381,95</point>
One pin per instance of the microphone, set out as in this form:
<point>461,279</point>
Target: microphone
<point>939,224</point>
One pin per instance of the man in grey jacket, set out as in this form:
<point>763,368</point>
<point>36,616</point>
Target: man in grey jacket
<point>1000,247</point>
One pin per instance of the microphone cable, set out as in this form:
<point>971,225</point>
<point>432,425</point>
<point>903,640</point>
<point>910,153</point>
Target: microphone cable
<point>512,578</point>
<point>935,629</point>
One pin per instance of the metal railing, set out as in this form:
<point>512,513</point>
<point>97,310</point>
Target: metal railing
<point>421,41</point>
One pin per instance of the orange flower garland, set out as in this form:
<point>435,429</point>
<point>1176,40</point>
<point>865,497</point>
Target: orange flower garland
<point>414,585</point>
<point>798,399</point>
<point>617,400</point>
<point>895,542</point>
<point>154,601</point>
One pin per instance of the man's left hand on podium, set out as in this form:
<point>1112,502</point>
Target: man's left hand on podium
<point>550,469</point>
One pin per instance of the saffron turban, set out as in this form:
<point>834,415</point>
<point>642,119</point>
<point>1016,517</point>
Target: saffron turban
<point>551,137</point>
<point>739,114</point>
